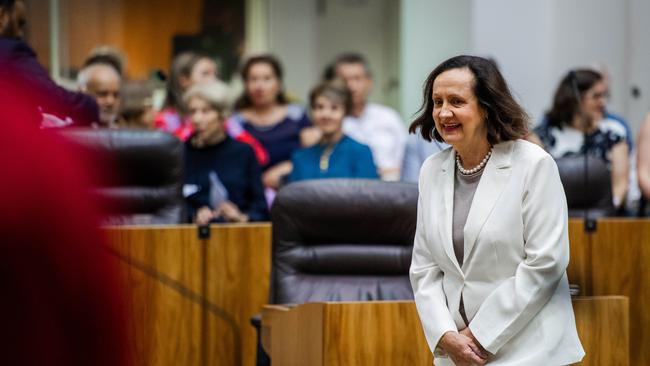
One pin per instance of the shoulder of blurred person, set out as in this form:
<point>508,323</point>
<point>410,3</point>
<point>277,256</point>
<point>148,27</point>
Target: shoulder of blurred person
<point>416,152</point>
<point>628,131</point>
<point>21,71</point>
<point>381,128</point>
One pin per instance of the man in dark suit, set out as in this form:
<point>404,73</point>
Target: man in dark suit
<point>40,98</point>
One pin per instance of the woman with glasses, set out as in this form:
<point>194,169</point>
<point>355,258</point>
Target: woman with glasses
<point>575,126</point>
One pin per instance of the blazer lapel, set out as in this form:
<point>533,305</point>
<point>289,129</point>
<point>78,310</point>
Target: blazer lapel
<point>492,183</point>
<point>446,215</point>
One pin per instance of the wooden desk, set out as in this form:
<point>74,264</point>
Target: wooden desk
<point>615,260</point>
<point>162,270</point>
<point>191,300</point>
<point>389,333</point>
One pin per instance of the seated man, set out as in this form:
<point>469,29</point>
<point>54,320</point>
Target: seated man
<point>102,81</point>
<point>375,125</point>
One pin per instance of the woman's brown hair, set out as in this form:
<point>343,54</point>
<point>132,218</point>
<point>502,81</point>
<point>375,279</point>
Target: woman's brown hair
<point>565,103</point>
<point>506,119</point>
<point>244,101</point>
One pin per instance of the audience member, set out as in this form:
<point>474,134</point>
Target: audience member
<point>46,102</point>
<point>378,126</point>
<point>107,55</point>
<point>570,120</point>
<point>223,179</point>
<point>137,107</point>
<point>188,69</point>
<point>335,155</point>
<point>103,82</point>
<point>263,111</point>
<point>643,158</point>
<point>417,151</point>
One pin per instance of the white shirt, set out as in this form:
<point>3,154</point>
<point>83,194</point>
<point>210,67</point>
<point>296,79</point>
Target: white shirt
<point>382,129</point>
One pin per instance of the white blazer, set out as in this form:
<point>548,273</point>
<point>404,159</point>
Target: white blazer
<point>513,279</point>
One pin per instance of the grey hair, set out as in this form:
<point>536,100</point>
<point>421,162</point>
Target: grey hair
<point>83,77</point>
<point>216,93</point>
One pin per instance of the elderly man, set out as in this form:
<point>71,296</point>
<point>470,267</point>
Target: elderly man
<point>42,100</point>
<point>375,125</point>
<point>103,82</point>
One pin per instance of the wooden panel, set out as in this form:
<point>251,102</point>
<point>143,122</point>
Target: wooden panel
<point>390,333</point>
<point>165,325</point>
<point>621,266</point>
<point>374,333</point>
<point>579,270</point>
<point>182,315</point>
<point>296,334</point>
<point>142,29</point>
<point>239,262</point>
<point>603,328</point>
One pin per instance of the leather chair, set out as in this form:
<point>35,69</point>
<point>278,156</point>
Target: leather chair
<point>341,240</point>
<point>593,196</point>
<point>144,184</point>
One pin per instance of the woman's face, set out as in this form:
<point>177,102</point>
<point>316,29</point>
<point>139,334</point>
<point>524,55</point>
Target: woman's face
<point>262,84</point>
<point>205,70</point>
<point>207,123</point>
<point>594,101</point>
<point>458,117</point>
<point>328,115</point>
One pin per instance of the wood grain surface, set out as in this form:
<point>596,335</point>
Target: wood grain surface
<point>181,314</point>
<point>603,328</point>
<point>390,333</point>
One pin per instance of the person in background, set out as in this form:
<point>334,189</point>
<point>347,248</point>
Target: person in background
<point>137,107</point>
<point>107,55</point>
<point>264,111</point>
<point>48,104</point>
<point>643,158</point>
<point>222,176</point>
<point>569,120</point>
<point>102,81</point>
<point>188,69</point>
<point>63,303</point>
<point>335,155</point>
<point>375,125</point>
<point>417,151</point>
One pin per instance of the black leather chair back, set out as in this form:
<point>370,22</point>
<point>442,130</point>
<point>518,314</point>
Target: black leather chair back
<point>146,182</point>
<point>343,240</point>
<point>593,195</point>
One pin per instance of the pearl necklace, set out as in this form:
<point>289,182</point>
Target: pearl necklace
<point>475,169</point>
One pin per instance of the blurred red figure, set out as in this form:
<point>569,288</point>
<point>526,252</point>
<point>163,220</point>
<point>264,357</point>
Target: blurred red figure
<point>60,300</point>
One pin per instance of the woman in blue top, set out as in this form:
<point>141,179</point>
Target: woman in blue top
<point>264,111</point>
<point>336,155</point>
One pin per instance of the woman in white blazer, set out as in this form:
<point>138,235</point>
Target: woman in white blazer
<point>491,246</point>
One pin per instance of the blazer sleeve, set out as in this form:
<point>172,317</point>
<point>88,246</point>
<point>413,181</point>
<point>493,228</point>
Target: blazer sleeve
<point>37,84</point>
<point>426,280</point>
<point>514,303</point>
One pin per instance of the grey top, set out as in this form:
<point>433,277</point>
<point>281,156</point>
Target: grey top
<point>464,189</point>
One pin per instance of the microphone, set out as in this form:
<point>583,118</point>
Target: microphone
<point>590,224</point>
